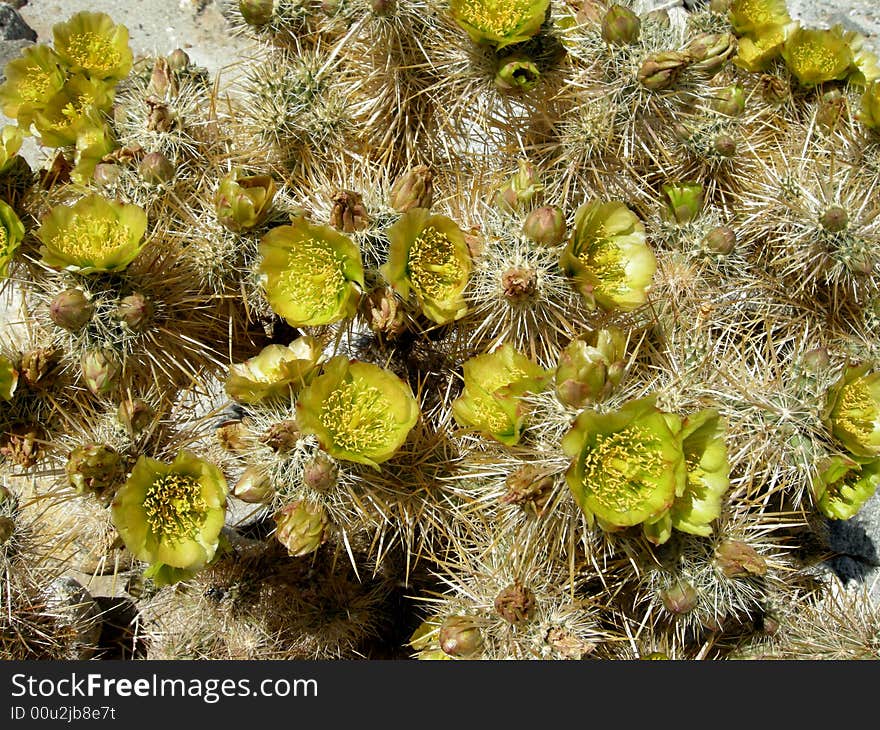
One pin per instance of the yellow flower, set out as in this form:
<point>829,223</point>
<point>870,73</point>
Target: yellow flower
<point>754,17</point>
<point>8,378</point>
<point>843,485</point>
<point>11,235</point>
<point>756,55</point>
<point>815,56</point>
<point>310,273</point>
<point>852,411</point>
<point>91,43</point>
<point>170,515</point>
<point>77,106</point>
<point>243,202</point>
<point>277,370</point>
<point>92,144</point>
<point>10,143</point>
<point>31,80</point>
<point>869,113</point>
<point>358,411</point>
<point>429,256</point>
<point>491,400</point>
<point>608,257</point>
<point>92,235</point>
<point>499,23</point>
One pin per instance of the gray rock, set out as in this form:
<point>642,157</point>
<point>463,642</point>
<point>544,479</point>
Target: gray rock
<point>859,536</point>
<point>76,615</point>
<point>12,25</point>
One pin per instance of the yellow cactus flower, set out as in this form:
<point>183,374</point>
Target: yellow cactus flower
<point>428,256</point>
<point>92,144</point>
<point>607,256</point>
<point>32,80</point>
<point>91,43</point>
<point>276,371</point>
<point>843,485</point>
<point>491,400</point>
<point>816,55</point>
<point>76,107</point>
<point>499,23</point>
<point>755,17</point>
<point>244,202</point>
<point>869,113</point>
<point>757,54</point>
<point>358,411</point>
<point>8,378</point>
<point>92,235</point>
<point>310,273</point>
<point>170,515</point>
<point>11,235</point>
<point>852,411</point>
<point>10,143</point>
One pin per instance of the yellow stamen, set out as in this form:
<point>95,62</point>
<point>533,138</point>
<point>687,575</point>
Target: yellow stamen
<point>89,239</point>
<point>357,417</point>
<point>499,17</point>
<point>434,269</point>
<point>175,507</point>
<point>93,51</point>
<point>857,412</point>
<point>314,276</point>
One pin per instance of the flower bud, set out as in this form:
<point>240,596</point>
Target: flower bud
<point>515,604</point>
<point>817,360</point>
<point>134,414</point>
<point>736,559</point>
<point>459,637</point>
<point>7,527</point>
<point>517,73</point>
<point>134,311</point>
<point>256,12</point>
<point>5,495</point>
<point>530,488</point>
<point>413,189</point>
<point>320,473</point>
<point>679,598</point>
<point>719,6</point>
<point>684,201</point>
<point>100,369</point>
<point>105,173</point>
<point>155,168</point>
<point>709,51</point>
<point>178,60</point>
<point>620,26</point>
<point>385,316</point>
<point>835,219</point>
<point>301,527</point>
<point>724,145</point>
<point>720,240</point>
<point>587,373</point>
<point>348,213</point>
<point>244,202</point>
<point>383,8</point>
<point>95,468</point>
<point>661,70</point>
<point>253,487</point>
<point>730,100</point>
<point>71,310</point>
<point>520,188</point>
<point>545,226</point>
<point>161,80</point>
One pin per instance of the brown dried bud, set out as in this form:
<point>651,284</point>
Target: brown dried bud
<point>567,644</point>
<point>620,26</point>
<point>7,527</point>
<point>529,487</point>
<point>725,145</point>
<point>156,169</point>
<point>679,598</point>
<point>36,364</point>
<point>95,468</point>
<point>135,414</point>
<point>21,444</point>
<point>71,310</point>
<point>385,316</point>
<point>320,473</point>
<point>459,637</point>
<point>661,70</point>
<point>519,284</point>
<point>413,189</point>
<point>720,240</point>
<point>348,213</point>
<point>282,436</point>
<point>134,311</point>
<point>162,81</point>
<point>100,369</point>
<point>831,108</point>
<point>545,226</point>
<point>835,219</point>
<point>160,117</point>
<point>515,604</point>
<point>589,11</point>
<point>773,89</point>
<point>253,487</point>
<point>736,559</point>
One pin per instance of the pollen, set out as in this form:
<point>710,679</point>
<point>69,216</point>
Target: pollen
<point>434,269</point>
<point>604,259</point>
<point>314,276</point>
<point>34,85</point>
<point>357,417</point>
<point>816,56</point>
<point>620,468</point>
<point>175,507</point>
<point>499,17</point>
<point>94,52</point>
<point>4,238</point>
<point>857,411</point>
<point>89,239</point>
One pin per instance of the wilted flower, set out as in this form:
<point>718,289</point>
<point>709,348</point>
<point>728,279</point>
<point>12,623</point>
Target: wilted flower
<point>738,559</point>
<point>661,70</point>
<point>499,24</point>
<point>608,257</point>
<point>32,80</point>
<point>8,378</point>
<point>428,255</point>
<point>93,235</point>
<point>816,55</point>
<point>95,468</point>
<point>276,370</point>
<point>243,202</point>
<point>843,485</point>
<point>170,515</point>
<point>588,372</point>
<point>709,51</point>
<point>491,400</point>
<point>348,214</point>
<point>684,201</point>
<point>517,73</point>
<point>11,235</point>
<point>93,44</point>
<point>852,411</point>
<point>301,527</point>
<point>358,411</point>
<point>310,273</point>
<point>627,466</point>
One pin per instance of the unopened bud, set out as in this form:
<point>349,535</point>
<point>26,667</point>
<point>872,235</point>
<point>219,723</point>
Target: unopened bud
<point>178,60</point>
<point>736,559</point>
<point>155,168</point>
<point>724,145</point>
<point>320,473</point>
<point>730,100</point>
<point>134,311</point>
<point>709,51</point>
<point>135,414</point>
<point>301,527</point>
<point>679,598</point>
<point>515,604</point>
<point>105,173</point>
<point>661,70</point>
<point>545,225</point>
<point>253,487</point>
<point>71,310</point>
<point>817,360</point>
<point>383,8</point>
<point>520,188</point>
<point>684,201</point>
<point>719,6</point>
<point>620,26</point>
<point>835,219</point>
<point>100,369</point>
<point>720,240</point>
<point>414,189</point>
<point>256,12</point>
<point>160,80</point>
<point>459,637</point>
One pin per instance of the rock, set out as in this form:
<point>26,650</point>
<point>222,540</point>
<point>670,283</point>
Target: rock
<point>9,51</point>
<point>76,614</point>
<point>858,536</point>
<point>13,26</point>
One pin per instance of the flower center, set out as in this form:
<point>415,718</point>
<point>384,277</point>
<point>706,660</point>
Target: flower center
<point>858,412</point>
<point>357,417</point>
<point>4,238</point>
<point>93,51</point>
<point>816,56</point>
<point>605,259</point>
<point>313,277</point>
<point>500,17</point>
<point>434,269</point>
<point>619,468</point>
<point>34,86</point>
<point>758,12</point>
<point>175,507</point>
<point>89,239</point>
